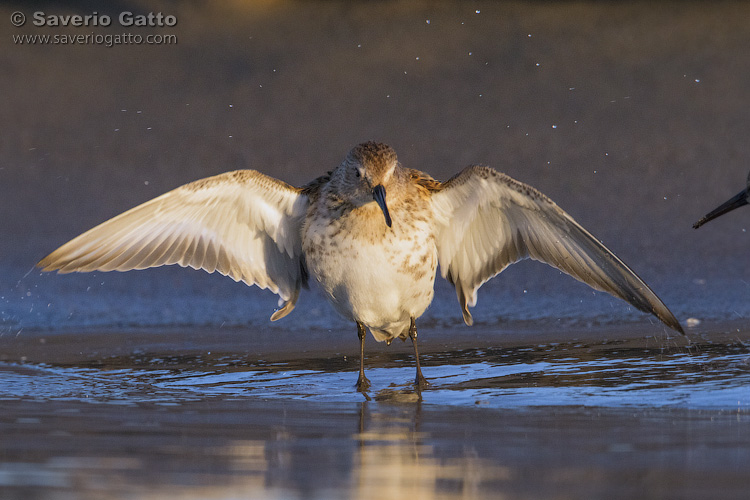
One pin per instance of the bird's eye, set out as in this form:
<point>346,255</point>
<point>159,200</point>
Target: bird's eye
<point>356,172</point>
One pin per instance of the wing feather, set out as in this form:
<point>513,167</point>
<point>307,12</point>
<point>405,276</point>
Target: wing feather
<point>487,221</point>
<point>242,224</point>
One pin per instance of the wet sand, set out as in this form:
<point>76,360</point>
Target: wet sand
<point>222,414</point>
<point>173,384</point>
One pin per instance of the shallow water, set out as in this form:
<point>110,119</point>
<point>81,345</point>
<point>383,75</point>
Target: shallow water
<point>564,420</point>
<point>223,448</point>
<point>698,376</point>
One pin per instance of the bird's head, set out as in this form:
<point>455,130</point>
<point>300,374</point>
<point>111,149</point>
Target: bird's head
<point>366,174</point>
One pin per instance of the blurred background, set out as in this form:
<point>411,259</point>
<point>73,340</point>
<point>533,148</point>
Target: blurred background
<point>632,116</point>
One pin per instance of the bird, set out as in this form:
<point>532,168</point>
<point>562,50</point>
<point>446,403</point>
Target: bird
<point>372,234</point>
<point>738,200</point>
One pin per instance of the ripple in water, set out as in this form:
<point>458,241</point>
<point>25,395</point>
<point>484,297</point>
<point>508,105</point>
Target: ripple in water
<point>708,377</point>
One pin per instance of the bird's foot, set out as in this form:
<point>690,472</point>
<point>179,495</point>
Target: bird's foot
<point>363,383</point>
<point>420,382</point>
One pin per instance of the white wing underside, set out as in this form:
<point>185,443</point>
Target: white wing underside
<point>241,224</point>
<point>487,221</point>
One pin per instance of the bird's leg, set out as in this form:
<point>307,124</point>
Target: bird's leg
<point>420,381</point>
<point>362,383</point>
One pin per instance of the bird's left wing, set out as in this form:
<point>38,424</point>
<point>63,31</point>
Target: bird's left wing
<point>242,224</point>
<point>487,221</point>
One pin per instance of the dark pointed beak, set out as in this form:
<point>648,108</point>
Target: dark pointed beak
<point>737,201</point>
<point>378,194</point>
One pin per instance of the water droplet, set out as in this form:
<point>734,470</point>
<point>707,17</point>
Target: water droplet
<point>477,11</point>
<point>427,21</point>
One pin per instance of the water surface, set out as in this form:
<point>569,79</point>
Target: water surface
<point>565,420</point>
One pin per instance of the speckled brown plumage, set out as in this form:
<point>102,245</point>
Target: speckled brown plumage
<point>370,232</point>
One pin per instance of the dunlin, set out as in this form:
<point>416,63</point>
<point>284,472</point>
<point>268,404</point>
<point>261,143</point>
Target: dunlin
<point>370,232</point>
<point>738,200</point>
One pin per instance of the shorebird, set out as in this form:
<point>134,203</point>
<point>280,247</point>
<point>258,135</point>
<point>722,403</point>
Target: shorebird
<point>736,201</point>
<point>370,232</point>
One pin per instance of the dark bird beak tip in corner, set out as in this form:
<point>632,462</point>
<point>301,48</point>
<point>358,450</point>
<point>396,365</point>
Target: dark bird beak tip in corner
<point>378,194</point>
<point>739,200</point>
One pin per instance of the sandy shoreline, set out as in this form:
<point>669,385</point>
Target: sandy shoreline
<point>70,347</point>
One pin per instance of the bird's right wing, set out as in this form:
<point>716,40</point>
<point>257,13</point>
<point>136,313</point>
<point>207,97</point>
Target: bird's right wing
<point>242,224</point>
<point>487,221</point>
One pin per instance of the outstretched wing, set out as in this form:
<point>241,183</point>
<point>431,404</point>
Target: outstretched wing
<point>487,221</point>
<point>242,224</point>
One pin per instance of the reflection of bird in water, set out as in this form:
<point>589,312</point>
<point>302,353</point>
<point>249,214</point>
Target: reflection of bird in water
<point>370,232</point>
<point>736,201</point>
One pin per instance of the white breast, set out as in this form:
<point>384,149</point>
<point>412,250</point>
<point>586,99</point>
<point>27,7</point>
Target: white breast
<point>373,274</point>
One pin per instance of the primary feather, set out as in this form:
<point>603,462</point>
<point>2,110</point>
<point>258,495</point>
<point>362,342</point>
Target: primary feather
<point>242,224</point>
<point>487,221</point>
